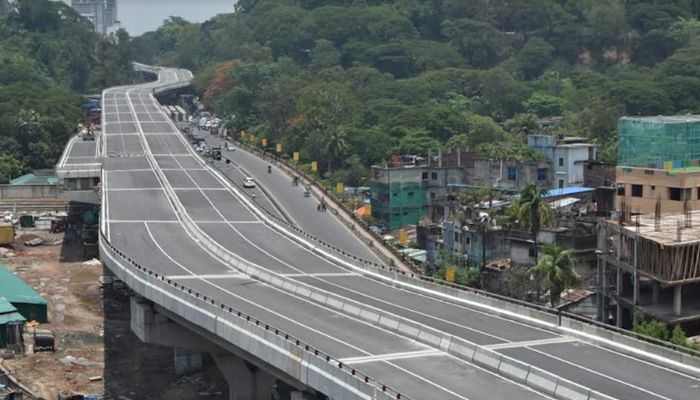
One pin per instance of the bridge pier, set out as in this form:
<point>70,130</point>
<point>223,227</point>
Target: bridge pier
<point>245,381</point>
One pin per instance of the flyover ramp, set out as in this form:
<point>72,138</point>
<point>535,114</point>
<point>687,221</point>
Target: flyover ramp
<point>140,217</point>
<point>170,211</point>
<point>610,372</point>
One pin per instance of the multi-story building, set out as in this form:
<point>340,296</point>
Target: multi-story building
<point>567,156</point>
<point>649,264</point>
<point>403,193</point>
<point>659,161</point>
<point>102,13</point>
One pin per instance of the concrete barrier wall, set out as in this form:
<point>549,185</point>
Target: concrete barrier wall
<point>271,345</point>
<point>29,192</point>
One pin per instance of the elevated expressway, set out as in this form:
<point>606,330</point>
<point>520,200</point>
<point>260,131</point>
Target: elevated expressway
<point>200,254</point>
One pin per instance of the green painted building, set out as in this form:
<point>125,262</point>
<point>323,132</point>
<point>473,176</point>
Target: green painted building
<point>22,297</point>
<point>399,196</point>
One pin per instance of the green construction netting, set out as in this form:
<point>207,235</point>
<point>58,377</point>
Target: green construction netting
<point>668,143</point>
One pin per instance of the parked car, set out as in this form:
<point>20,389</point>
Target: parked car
<point>248,183</point>
<point>230,147</point>
<point>207,125</point>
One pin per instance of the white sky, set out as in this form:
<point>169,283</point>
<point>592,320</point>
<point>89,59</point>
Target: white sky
<point>139,16</point>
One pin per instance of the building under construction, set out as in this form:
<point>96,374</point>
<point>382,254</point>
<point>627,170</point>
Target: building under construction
<point>650,264</point>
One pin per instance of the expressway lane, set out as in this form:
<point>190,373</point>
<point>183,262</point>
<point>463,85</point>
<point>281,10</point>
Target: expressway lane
<point>142,222</point>
<point>266,247</point>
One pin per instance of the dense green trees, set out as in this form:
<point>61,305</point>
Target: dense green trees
<point>392,76</point>
<point>48,54</point>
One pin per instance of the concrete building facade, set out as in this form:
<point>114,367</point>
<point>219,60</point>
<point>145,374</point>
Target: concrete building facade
<point>102,13</point>
<point>403,193</point>
<point>567,156</point>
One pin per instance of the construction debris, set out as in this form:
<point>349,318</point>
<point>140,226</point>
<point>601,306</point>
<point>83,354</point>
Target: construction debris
<point>70,360</point>
<point>34,242</point>
<point>93,262</point>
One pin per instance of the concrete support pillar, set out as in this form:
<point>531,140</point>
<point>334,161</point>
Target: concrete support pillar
<point>655,289</point>
<point>245,381</point>
<point>297,395</point>
<point>187,361</point>
<point>677,296</point>
<point>618,317</point>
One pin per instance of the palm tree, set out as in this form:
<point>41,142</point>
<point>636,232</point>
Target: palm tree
<point>336,145</point>
<point>530,211</point>
<point>556,269</point>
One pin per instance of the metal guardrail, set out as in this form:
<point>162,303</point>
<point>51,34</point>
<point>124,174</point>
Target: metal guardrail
<point>330,197</point>
<point>554,312</point>
<point>235,313</point>
<point>307,348</point>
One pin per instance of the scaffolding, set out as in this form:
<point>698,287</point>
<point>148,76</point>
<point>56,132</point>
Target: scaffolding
<point>667,143</point>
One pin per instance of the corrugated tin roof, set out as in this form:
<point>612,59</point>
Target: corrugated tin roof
<point>6,306</point>
<point>14,290</point>
<point>35,179</point>
<point>11,317</point>
<point>568,191</point>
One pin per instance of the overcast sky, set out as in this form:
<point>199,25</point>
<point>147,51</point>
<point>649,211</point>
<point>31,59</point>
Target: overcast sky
<point>139,16</point>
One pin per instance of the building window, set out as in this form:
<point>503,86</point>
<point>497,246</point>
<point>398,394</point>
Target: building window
<point>620,189</point>
<point>561,161</point>
<point>512,174</point>
<point>425,176</point>
<point>648,172</point>
<point>653,187</point>
<point>467,241</point>
<point>561,184</point>
<point>457,237</point>
<point>699,193</point>
<point>410,194</point>
<point>433,196</point>
<point>542,174</point>
<point>433,176</point>
<point>637,190</point>
<point>674,194</point>
<point>396,194</point>
<point>531,252</point>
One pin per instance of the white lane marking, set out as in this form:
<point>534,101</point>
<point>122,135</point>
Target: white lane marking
<point>170,155</point>
<point>330,337</point>
<point>247,333</point>
<point>228,222</point>
<point>320,274</point>
<point>129,170</point>
<point>391,357</point>
<point>198,189</point>
<point>141,221</point>
<point>600,374</point>
<point>529,343</point>
<point>224,276</point>
<point>135,189</point>
<point>419,377</point>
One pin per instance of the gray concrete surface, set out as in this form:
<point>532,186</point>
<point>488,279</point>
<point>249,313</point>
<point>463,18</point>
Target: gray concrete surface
<point>143,222</point>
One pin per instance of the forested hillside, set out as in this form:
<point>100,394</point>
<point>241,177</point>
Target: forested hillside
<point>351,81</point>
<point>49,56</point>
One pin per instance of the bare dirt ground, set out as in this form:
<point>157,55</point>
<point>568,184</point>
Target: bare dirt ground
<point>92,325</point>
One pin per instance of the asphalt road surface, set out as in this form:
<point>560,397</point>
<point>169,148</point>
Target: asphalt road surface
<point>142,222</point>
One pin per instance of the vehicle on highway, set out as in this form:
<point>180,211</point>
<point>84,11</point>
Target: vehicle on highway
<point>230,147</point>
<point>248,183</point>
<point>199,149</point>
<point>207,126</point>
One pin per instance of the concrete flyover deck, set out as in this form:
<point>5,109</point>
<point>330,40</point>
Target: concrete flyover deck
<point>166,211</point>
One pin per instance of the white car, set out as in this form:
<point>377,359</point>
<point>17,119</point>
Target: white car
<point>248,183</point>
<point>230,147</point>
<point>199,149</point>
<point>207,125</point>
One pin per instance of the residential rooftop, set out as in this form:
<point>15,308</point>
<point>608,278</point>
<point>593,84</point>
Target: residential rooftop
<point>668,228</point>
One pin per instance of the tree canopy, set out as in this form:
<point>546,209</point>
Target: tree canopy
<point>49,56</point>
<point>420,75</point>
